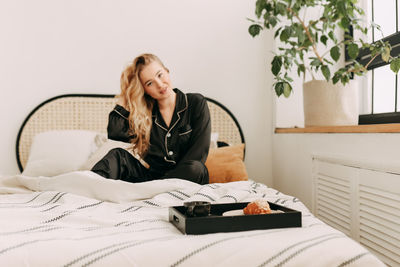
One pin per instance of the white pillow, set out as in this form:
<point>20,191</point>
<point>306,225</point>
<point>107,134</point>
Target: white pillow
<point>104,145</point>
<point>56,152</point>
<point>214,139</point>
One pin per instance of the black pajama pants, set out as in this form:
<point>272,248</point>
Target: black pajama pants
<point>119,164</point>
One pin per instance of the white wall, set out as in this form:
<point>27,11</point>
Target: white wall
<point>52,47</point>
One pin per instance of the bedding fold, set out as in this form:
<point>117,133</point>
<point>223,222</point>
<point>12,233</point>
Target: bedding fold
<point>90,184</point>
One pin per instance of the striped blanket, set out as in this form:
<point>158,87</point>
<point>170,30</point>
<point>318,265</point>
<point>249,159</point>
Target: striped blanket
<point>81,219</point>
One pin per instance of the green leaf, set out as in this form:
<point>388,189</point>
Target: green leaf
<point>324,39</point>
<point>341,6</point>
<point>352,50</point>
<point>386,54</point>
<point>287,89</point>
<point>276,65</point>
<point>301,37</point>
<point>279,88</point>
<point>255,29</point>
<point>336,78</point>
<point>344,79</point>
<point>285,35</point>
<point>395,65</point>
<point>260,6</point>
<point>268,7</point>
<point>301,68</point>
<point>315,62</point>
<point>307,43</point>
<point>328,61</point>
<point>326,72</point>
<point>344,23</point>
<point>301,55</point>
<point>280,8</point>
<point>332,36</point>
<point>273,21</point>
<point>335,53</point>
<point>277,32</point>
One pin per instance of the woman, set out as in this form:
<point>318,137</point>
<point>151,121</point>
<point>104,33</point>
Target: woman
<point>170,130</point>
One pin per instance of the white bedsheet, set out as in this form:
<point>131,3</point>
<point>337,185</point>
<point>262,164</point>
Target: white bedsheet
<point>82,219</point>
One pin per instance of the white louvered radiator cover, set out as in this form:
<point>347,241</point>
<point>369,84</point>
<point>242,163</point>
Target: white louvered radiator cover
<point>362,201</point>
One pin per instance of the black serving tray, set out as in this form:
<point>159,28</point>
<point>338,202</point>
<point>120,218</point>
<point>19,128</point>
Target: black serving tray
<point>215,222</point>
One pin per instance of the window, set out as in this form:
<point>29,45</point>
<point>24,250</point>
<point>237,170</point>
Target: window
<point>381,99</point>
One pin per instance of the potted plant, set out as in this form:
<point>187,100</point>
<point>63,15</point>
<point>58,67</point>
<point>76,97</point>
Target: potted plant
<point>315,46</point>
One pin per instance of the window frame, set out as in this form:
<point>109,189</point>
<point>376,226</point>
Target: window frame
<point>364,57</point>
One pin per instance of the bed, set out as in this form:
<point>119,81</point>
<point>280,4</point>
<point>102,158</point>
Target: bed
<point>58,213</point>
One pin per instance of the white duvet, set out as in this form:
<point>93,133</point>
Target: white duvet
<point>82,219</point>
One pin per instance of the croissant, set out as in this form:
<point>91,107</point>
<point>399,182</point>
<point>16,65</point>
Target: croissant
<point>259,206</point>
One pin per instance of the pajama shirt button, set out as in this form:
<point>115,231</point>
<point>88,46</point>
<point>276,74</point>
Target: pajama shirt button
<point>168,135</point>
<point>170,153</point>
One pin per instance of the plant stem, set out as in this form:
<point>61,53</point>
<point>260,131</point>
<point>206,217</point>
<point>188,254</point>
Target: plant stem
<point>369,62</point>
<point>366,65</point>
<point>308,34</point>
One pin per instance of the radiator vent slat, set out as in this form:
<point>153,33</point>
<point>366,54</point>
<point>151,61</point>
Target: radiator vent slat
<point>381,193</point>
<point>380,207</point>
<point>365,230</point>
<point>334,203</point>
<point>378,199</point>
<point>388,254</point>
<point>384,224</point>
<point>382,243</point>
<point>380,213</point>
<point>338,187</point>
<point>334,222</point>
<point>380,225</point>
<point>334,209</point>
<point>334,192</point>
<point>379,254</point>
<point>333,179</point>
<point>328,210</point>
<point>333,198</point>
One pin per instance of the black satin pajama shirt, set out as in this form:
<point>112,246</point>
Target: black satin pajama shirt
<point>177,151</point>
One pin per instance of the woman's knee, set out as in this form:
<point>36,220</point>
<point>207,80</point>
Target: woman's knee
<point>192,170</point>
<point>198,170</point>
<point>110,165</point>
<point>195,167</point>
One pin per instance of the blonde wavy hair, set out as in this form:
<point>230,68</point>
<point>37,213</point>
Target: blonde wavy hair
<point>138,103</point>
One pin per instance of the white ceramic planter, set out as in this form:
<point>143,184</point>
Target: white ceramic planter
<point>328,104</point>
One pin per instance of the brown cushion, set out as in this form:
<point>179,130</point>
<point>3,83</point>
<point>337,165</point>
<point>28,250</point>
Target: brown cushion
<point>225,164</point>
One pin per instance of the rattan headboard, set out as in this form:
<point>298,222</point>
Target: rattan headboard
<point>90,112</point>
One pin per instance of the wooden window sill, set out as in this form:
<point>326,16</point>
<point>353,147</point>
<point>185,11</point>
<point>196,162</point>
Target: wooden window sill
<point>369,128</point>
